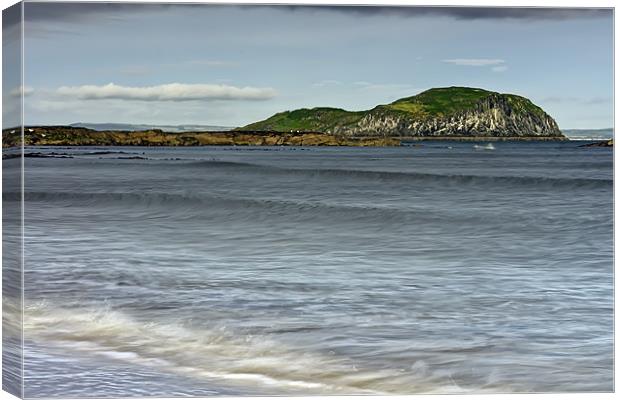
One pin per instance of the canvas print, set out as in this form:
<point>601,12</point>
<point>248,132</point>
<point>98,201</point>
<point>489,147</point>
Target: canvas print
<point>243,199</point>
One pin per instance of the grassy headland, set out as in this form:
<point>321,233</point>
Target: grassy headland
<point>453,113</point>
<point>444,112</point>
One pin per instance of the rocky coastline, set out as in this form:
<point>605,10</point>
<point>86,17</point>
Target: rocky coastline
<point>73,136</point>
<point>453,113</point>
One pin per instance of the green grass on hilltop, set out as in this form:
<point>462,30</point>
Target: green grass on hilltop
<point>432,103</point>
<point>304,119</point>
<point>442,101</point>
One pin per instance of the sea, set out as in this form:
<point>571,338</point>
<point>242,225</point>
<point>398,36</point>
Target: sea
<point>434,267</point>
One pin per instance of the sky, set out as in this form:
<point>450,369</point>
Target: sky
<point>232,65</point>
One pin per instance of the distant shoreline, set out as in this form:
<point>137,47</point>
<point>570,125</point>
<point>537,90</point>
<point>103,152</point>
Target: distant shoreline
<point>74,136</point>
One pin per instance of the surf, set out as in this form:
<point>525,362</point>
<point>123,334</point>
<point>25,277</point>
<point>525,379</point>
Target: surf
<point>215,353</point>
<point>488,146</point>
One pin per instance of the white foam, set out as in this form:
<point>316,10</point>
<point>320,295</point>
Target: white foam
<point>213,354</point>
<point>218,354</point>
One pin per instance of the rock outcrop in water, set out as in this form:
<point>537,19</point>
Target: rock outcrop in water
<point>441,112</point>
<point>604,143</point>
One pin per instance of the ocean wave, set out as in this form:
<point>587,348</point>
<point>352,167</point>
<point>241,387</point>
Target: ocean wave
<point>217,354</point>
<point>189,206</point>
<point>200,200</point>
<point>540,182</point>
<point>12,345</point>
<point>156,205</point>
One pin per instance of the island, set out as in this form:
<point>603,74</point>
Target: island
<point>450,113</point>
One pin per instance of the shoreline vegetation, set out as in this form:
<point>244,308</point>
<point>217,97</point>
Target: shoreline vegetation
<point>74,136</point>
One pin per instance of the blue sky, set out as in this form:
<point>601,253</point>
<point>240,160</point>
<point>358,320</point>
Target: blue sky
<point>232,65</point>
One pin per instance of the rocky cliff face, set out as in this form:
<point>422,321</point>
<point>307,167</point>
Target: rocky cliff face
<point>495,115</point>
<point>441,112</point>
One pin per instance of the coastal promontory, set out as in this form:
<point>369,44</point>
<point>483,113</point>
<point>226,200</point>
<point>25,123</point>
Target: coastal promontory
<point>451,112</point>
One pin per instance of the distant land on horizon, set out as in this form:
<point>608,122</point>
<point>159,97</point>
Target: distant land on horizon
<point>114,126</point>
<point>589,134</point>
<point>453,111</point>
<point>581,133</point>
<point>450,113</point>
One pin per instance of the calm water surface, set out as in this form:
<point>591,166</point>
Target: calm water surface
<point>231,270</point>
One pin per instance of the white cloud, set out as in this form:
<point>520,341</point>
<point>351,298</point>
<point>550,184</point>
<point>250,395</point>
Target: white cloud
<point>328,82</point>
<point>499,68</point>
<point>167,92</point>
<point>599,100</point>
<point>17,92</point>
<point>475,62</point>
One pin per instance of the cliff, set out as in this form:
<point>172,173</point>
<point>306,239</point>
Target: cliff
<point>440,112</point>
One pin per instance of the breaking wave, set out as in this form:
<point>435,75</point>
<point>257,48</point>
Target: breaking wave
<point>217,354</point>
